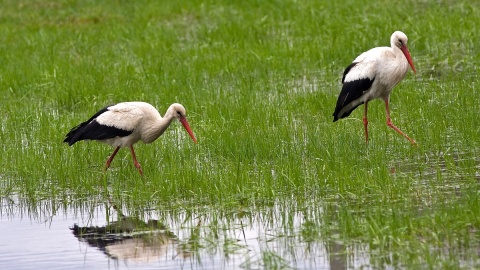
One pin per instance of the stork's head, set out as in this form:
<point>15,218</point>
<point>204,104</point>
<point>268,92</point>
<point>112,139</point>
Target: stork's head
<point>399,40</point>
<point>179,112</point>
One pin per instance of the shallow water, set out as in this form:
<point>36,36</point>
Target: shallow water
<point>28,244</point>
<point>37,234</point>
<point>40,238</point>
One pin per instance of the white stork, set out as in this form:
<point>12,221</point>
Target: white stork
<point>124,124</point>
<point>373,74</point>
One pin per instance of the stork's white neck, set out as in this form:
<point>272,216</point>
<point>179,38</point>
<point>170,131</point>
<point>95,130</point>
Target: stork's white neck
<point>159,125</point>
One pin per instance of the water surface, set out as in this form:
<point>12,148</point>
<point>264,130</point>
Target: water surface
<point>40,238</point>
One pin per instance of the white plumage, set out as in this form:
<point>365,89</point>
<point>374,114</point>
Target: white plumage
<point>372,75</point>
<point>126,123</point>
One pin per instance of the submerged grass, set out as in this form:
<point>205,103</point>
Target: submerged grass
<point>259,81</point>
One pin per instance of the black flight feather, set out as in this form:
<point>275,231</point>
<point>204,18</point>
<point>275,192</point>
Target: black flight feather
<point>350,91</point>
<point>92,130</point>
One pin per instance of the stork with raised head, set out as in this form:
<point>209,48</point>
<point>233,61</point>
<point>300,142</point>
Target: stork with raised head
<point>124,124</point>
<point>372,75</point>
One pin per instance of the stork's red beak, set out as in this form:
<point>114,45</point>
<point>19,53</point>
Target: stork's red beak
<point>409,58</point>
<point>185,124</point>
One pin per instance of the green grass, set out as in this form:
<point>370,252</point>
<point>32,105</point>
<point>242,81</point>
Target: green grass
<point>259,80</point>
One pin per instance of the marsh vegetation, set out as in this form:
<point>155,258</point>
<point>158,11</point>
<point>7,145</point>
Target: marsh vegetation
<point>272,181</point>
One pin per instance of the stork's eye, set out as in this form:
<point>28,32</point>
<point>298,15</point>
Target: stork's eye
<point>179,113</point>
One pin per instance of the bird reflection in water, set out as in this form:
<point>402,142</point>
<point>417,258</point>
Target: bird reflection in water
<point>131,239</point>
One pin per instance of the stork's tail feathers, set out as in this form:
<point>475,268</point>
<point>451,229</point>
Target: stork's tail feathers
<point>75,134</point>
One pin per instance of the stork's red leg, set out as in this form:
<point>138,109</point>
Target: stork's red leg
<point>107,165</point>
<point>365,122</point>
<point>390,124</point>
<point>135,162</point>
